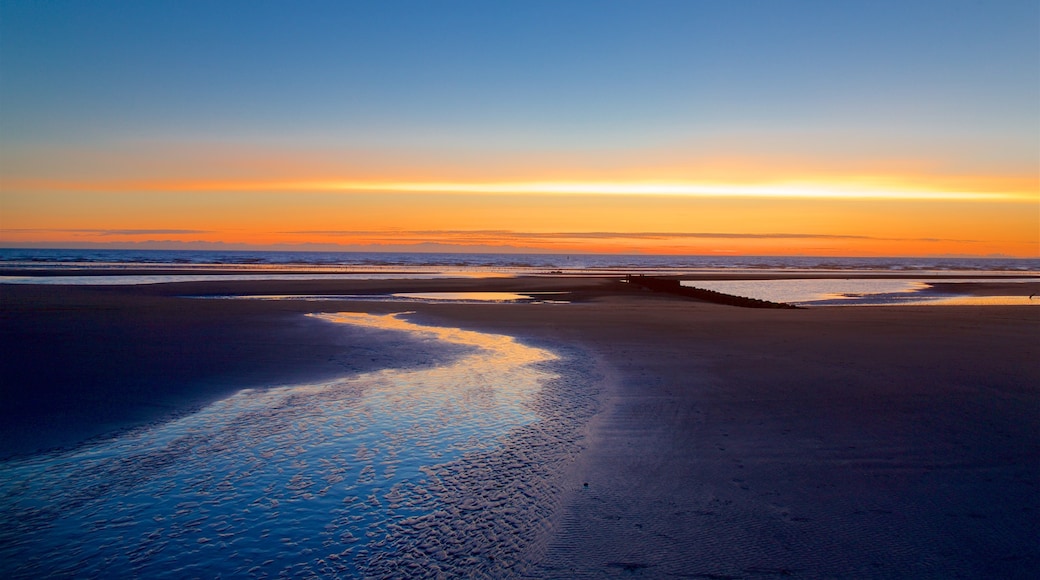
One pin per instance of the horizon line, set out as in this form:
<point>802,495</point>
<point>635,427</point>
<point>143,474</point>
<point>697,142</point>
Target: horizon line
<point>443,248</point>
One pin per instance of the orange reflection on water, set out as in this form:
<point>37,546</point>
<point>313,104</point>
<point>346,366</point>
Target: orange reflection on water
<point>372,465</point>
<point>984,301</point>
<point>473,296</point>
<point>499,364</point>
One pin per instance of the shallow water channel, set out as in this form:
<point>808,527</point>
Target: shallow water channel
<point>415,472</point>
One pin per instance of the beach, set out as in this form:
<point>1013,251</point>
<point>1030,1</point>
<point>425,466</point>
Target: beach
<point>722,442</point>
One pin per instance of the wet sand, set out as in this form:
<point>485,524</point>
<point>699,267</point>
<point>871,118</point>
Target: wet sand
<point>828,442</point>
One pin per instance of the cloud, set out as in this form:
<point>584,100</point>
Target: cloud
<point>149,232</point>
<point>500,235</point>
<point>493,237</point>
<point>1018,189</point>
<point>107,232</point>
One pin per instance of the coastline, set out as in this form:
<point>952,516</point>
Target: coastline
<point>820,442</point>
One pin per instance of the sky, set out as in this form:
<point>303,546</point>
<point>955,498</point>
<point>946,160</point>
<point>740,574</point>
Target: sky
<point>757,127</point>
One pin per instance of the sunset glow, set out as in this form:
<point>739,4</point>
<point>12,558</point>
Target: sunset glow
<point>793,191</point>
<point>808,190</point>
<point>608,137</point>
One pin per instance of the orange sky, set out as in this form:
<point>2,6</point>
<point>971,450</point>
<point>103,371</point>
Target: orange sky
<point>793,213</point>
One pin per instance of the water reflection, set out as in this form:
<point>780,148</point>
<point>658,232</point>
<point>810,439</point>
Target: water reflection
<point>107,278</point>
<point>948,300</point>
<point>478,296</point>
<point>858,291</point>
<point>358,476</point>
<point>456,297</point>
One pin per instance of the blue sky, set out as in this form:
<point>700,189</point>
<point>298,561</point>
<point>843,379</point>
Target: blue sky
<point>521,74</point>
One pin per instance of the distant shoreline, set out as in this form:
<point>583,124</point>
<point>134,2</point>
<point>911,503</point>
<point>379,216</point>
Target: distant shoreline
<point>360,273</point>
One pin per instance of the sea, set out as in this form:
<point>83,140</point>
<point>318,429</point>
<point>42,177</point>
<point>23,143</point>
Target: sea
<point>799,280</point>
<point>504,262</point>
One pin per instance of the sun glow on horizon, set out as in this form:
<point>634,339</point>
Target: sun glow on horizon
<point>779,190</point>
<point>740,206</point>
<point>828,215</point>
<point>1017,190</point>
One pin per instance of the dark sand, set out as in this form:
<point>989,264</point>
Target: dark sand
<point>732,443</point>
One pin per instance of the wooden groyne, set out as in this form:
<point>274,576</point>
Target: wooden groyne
<point>675,287</point>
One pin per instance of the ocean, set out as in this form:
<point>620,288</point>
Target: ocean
<point>807,280</point>
<point>505,262</point>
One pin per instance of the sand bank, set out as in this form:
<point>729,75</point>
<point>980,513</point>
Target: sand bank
<point>831,442</point>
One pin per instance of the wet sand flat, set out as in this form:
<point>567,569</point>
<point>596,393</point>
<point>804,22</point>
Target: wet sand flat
<point>830,442</point>
<point>838,442</point>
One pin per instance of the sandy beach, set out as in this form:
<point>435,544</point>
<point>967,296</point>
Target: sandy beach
<point>855,442</point>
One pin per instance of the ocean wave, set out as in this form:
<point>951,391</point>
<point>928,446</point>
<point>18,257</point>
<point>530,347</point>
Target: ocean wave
<point>126,259</point>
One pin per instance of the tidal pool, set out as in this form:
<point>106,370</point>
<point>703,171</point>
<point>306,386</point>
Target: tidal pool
<point>401,472</point>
